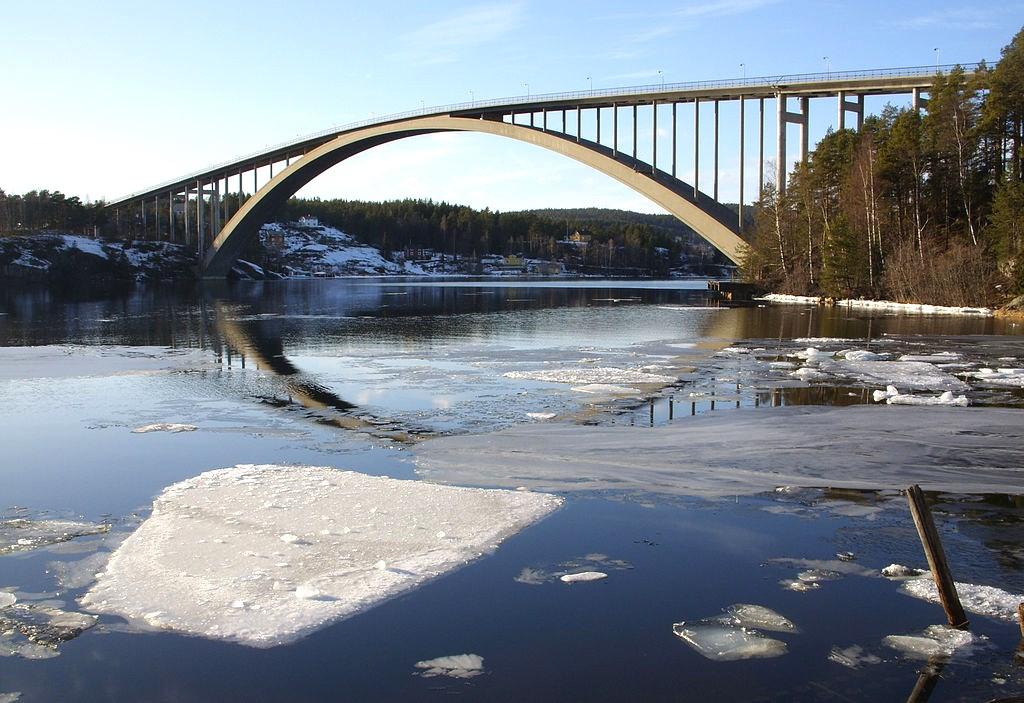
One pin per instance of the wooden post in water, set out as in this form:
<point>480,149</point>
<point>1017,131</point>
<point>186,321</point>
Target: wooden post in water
<point>936,557</point>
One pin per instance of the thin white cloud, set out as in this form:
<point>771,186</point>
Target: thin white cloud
<point>444,40</point>
<point>721,7</point>
<point>960,18</point>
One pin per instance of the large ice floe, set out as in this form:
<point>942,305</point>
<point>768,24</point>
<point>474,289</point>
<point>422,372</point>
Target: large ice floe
<point>747,452</point>
<point>263,555</point>
<point>735,634</point>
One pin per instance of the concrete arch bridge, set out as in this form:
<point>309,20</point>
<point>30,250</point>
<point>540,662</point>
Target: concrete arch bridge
<point>599,128</point>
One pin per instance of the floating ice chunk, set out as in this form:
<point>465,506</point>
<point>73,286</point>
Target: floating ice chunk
<point>782,365</point>
<point>1000,377</point>
<point>587,376</point>
<point>22,534</point>
<point>809,374</point>
<point>936,641</point>
<point>721,642</point>
<point>946,398</point>
<point>889,392</point>
<point>7,599</point>
<point>937,358</point>
<point>583,577</point>
<point>532,577</point>
<point>10,697</point>
<point>758,617</point>
<point>33,630</point>
<point>916,375</point>
<point>459,666</point>
<point>853,657</point>
<point>165,427</point>
<point>606,389</point>
<point>799,585</point>
<point>983,600</point>
<point>540,416</point>
<point>862,355</point>
<point>162,568</point>
<point>847,556</point>
<point>899,571</point>
<point>287,537</point>
<point>732,350</point>
<point>79,574</point>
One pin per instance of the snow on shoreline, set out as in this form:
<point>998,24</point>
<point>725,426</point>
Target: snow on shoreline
<point>747,452</point>
<point>264,555</point>
<point>885,305</point>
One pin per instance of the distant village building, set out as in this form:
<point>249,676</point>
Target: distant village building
<point>308,221</point>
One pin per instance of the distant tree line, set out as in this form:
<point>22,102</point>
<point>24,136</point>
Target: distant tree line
<point>47,210</point>
<point>917,207</point>
<point>399,225</point>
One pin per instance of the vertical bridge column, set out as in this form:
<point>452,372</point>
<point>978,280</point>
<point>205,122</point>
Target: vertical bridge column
<point>918,101</point>
<point>785,117</point>
<point>742,149</point>
<point>854,106</point>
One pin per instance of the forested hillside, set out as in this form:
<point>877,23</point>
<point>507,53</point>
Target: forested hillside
<point>916,207</point>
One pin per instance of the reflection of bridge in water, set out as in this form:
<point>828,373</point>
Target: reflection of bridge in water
<point>329,408</point>
<point>569,124</point>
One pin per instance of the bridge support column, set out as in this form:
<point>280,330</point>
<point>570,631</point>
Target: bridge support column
<point>654,136</point>
<point>785,118</point>
<point>854,106</point>
<point>188,204</point>
<point>597,112</point>
<point>170,216</point>
<point>673,140</point>
<point>145,229</point>
<point>634,132</point>
<point>918,100</point>
<point>743,137</point>
<point>544,120</point>
<point>715,142</point>
<point>200,231</point>
<point>579,121</point>
<point>615,129</point>
<point>696,147</point>
<point>760,147</point>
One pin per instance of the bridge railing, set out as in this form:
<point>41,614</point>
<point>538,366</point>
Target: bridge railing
<point>511,103</point>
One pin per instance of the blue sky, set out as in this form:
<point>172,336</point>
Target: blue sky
<point>103,98</point>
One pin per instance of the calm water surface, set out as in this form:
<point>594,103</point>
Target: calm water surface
<point>353,373</point>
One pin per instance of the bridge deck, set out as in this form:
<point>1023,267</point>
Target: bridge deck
<point>872,82</point>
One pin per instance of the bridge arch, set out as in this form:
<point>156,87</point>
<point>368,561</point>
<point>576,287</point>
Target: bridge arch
<point>710,219</point>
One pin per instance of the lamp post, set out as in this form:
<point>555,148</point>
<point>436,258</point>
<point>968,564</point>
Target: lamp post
<point>936,50</point>
<point>590,81</point>
<point>828,66</point>
<point>527,86</point>
<point>743,68</point>
<point>662,75</point>
<point>472,98</point>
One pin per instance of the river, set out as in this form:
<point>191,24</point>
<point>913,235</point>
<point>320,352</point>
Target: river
<point>373,375</point>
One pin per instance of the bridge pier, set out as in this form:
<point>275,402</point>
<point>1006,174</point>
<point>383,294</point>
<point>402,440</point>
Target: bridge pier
<point>743,137</point>
<point>715,160</point>
<point>654,136</point>
<point>855,106</point>
<point>785,118</point>
<point>696,147</point>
